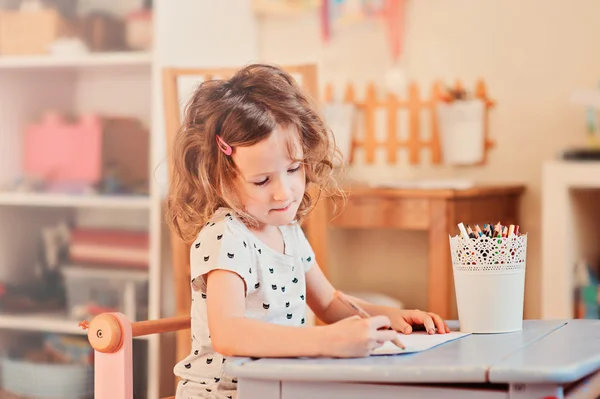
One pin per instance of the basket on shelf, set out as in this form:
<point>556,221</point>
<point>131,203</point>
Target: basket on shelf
<point>30,32</point>
<point>42,380</point>
<point>102,32</point>
<point>59,368</point>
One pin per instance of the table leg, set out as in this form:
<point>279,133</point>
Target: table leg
<point>259,389</point>
<point>587,388</point>
<point>535,391</point>
<point>439,267</point>
<point>353,390</point>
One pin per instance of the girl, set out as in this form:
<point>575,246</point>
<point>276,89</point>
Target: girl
<point>248,151</point>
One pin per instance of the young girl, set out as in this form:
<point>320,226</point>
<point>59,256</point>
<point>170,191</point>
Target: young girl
<point>248,151</point>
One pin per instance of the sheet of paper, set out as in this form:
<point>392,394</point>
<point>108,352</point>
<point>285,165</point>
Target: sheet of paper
<point>417,342</point>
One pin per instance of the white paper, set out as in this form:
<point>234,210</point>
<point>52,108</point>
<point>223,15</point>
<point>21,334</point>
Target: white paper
<point>417,342</point>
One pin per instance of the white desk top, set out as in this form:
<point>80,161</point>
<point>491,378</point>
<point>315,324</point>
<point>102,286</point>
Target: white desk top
<point>544,351</point>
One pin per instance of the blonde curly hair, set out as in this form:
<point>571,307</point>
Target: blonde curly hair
<point>243,111</point>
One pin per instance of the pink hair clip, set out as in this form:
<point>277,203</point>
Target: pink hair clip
<point>223,146</point>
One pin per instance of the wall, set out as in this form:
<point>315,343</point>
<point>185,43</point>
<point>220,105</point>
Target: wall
<point>190,33</point>
<point>531,54</point>
<point>197,34</point>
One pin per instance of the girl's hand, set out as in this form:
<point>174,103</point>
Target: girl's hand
<point>404,320</point>
<point>355,337</point>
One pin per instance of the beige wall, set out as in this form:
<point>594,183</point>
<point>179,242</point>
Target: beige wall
<point>530,52</point>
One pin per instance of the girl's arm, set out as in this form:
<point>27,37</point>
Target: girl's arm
<point>320,298</point>
<point>320,295</point>
<point>232,334</point>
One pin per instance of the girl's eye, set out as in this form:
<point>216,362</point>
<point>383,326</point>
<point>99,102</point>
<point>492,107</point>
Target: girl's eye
<point>261,183</point>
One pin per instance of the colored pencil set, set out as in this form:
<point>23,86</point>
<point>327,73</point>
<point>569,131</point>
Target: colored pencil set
<point>488,230</point>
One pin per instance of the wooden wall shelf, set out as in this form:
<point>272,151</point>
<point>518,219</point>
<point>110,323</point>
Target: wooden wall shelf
<point>371,104</point>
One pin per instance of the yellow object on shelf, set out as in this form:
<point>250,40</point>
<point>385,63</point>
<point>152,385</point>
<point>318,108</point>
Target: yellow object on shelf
<point>30,32</point>
<point>593,141</point>
<point>284,7</point>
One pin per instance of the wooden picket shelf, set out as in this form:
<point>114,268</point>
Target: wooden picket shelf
<point>414,104</point>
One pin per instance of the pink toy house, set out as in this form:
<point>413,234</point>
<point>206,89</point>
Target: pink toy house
<point>59,151</point>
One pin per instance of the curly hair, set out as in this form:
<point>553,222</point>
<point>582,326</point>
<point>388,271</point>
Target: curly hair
<point>243,111</point>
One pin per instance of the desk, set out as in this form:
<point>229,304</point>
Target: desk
<point>541,361</point>
<point>435,211</point>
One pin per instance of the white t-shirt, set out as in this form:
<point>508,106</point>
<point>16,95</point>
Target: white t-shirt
<point>275,293</point>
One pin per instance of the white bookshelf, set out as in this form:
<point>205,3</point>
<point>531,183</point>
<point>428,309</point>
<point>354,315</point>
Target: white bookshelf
<point>570,217</point>
<point>75,201</point>
<point>107,84</point>
<point>98,60</point>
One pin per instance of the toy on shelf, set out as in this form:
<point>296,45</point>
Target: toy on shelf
<point>101,31</point>
<point>58,367</point>
<point>31,30</point>
<point>45,292</point>
<point>413,105</point>
<point>90,153</point>
<point>138,29</point>
<point>62,151</point>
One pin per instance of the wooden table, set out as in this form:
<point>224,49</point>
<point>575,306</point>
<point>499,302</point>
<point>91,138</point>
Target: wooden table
<point>547,359</point>
<point>436,211</point>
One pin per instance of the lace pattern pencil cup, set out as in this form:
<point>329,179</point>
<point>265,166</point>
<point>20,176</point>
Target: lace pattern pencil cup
<point>489,279</point>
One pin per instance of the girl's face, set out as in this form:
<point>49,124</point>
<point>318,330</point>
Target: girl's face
<point>271,183</point>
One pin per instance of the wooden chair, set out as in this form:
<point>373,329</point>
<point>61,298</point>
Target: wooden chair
<point>306,75</point>
<point>111,334</point>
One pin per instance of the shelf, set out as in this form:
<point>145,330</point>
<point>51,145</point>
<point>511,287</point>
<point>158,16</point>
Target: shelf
<point>567,231</point>
<point>77,61</point>
<point>57,323</point>
<point>77,201</point>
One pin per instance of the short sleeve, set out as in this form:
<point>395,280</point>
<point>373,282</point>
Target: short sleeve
<point>304,248</point>
<point>220,246</point>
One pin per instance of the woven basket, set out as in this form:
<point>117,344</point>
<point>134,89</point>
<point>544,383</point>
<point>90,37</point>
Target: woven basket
<point>51,381</point>
<point>30,32</point>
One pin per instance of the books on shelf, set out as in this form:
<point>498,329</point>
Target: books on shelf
<point>113,247</point>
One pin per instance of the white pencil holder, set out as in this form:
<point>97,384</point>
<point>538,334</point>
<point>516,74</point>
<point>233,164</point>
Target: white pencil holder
<point>489,280</point>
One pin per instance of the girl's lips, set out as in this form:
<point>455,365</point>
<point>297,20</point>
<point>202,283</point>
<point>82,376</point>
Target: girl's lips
<point>282,209</point>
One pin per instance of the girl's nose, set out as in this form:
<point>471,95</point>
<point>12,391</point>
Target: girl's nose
<point>282,191</point>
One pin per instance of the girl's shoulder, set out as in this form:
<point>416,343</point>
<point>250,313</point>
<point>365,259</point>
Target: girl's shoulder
<point>224,219</point>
